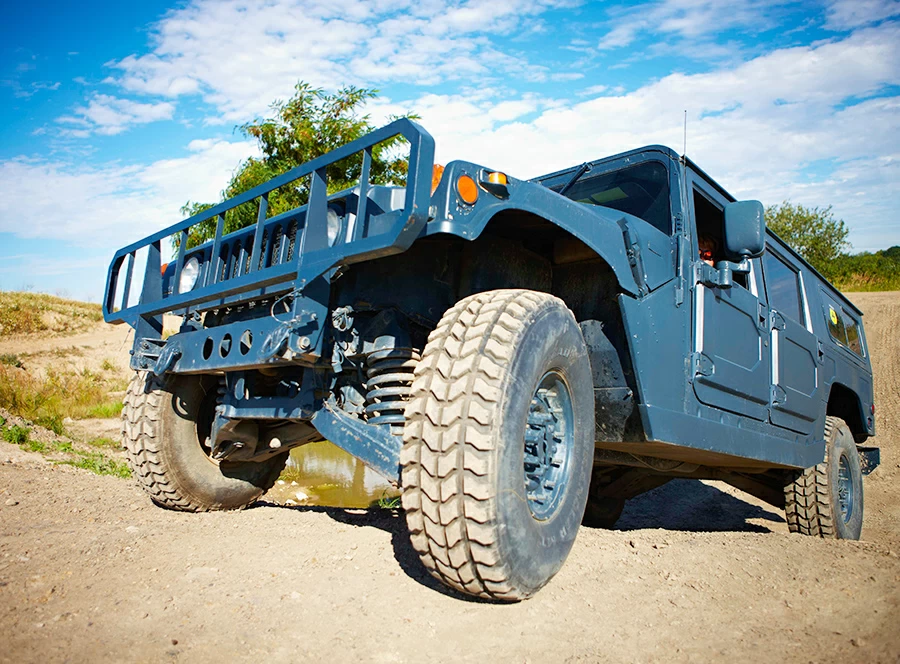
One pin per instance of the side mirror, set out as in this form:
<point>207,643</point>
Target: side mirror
<point>745,230</point>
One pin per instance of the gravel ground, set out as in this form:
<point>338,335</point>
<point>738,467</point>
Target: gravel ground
<point>91,571</point>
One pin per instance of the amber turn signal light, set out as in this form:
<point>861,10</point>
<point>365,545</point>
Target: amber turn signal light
<point>467,189</point>
<point>497,178</point>
<point>436,174</point>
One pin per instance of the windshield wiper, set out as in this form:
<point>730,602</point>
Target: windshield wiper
<point>586,167</point>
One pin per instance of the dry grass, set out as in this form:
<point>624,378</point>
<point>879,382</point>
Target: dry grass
<point>28,313</point>
<point>49,400</point>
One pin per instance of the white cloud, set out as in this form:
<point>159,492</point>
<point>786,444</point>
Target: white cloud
<point>689,19</point>
<point>115,204</point>
<point>802,123</point>
<point>240,55</point>
<point>848,14</point>
<point>763,129</point>
<point>510,110</point>
<point>109,115</point>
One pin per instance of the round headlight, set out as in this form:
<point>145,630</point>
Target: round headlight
<point>334,226</point>
<point>189,274</point>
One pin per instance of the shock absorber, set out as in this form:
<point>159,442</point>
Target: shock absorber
<point>390,377</point>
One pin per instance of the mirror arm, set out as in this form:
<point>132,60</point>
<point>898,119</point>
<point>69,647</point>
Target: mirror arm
<point>721,276</point>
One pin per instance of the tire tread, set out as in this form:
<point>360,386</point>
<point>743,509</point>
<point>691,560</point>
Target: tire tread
<point>142,440</point>
<point>448,448</point>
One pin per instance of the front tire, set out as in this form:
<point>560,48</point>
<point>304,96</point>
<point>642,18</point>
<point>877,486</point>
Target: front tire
<point>164,421</point>
<point>827,499</point>
<point>498,444</point>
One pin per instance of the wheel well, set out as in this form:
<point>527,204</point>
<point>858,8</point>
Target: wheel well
<point>844,403</point>
<point>516,250</point>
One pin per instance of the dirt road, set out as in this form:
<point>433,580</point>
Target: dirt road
<point>90,571</point>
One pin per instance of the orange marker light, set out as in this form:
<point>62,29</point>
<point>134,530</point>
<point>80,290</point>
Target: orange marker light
<point>162,269</point>
<point>497,178</point>
<point>436,174</point>
<point>467,189</point>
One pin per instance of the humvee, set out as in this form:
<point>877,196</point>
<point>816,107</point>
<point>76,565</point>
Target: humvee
<point>521,357</point>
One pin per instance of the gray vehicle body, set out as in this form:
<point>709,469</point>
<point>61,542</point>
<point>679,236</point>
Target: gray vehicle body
<point>724,371</point>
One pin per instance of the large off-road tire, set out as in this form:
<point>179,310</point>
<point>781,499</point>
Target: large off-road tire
<point>827,499</point>
<point>502,398</point>
<point>163,423</point>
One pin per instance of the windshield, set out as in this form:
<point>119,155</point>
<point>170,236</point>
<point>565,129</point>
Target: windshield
<point>641,190</point>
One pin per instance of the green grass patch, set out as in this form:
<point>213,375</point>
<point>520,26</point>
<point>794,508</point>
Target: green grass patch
<point>62,447</point>
<point>15,434</point>
<point>99,463</point>
<point>96,462</point>
<point>11,359</point>
<point>33,445</point>
<point>106,410</point>
<point>105,443</point>
<point>388,502</point>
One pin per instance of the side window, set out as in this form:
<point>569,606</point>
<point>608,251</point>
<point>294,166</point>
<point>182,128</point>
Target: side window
<point>854,343</point>
<point>710,222</point>
<point>783,287</point>
<point>836,327</point>
<point>843,328</point>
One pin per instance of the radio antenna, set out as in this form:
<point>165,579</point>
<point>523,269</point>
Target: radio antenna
<point>684,144</point>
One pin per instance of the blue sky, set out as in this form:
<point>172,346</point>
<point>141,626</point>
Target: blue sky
<point>113,114</point>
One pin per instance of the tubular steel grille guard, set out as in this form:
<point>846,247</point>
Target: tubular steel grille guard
<point>313,256</point>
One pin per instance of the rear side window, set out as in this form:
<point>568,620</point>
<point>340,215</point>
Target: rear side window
<point>843,328</point>
<point>783,287</point>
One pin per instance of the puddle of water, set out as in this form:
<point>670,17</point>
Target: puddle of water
<point>328,476</point>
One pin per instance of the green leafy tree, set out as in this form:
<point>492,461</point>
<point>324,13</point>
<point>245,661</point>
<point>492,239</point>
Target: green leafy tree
<point>309,124</point>
<point>814,232</point>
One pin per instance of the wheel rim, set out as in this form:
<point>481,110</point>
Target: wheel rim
<point>845,489</point>
<point>548,445</point>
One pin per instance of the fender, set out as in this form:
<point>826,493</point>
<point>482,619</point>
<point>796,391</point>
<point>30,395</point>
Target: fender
<point>599,228</point>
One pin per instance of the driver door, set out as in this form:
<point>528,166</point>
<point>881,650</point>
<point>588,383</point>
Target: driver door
<point>730,359</point>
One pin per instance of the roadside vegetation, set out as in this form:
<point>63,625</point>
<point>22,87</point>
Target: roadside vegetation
<point>42,393</point>
<point>95,458</point>
<point>50,399</point>
<point>821,238</point>
<point>27,313</point>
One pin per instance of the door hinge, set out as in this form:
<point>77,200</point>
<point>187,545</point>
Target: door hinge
<point>779,396</point>
<point>776,320</point>
<point>633,252</point>
<point>702,365</point>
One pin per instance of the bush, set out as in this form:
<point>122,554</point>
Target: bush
<point>867,271</point>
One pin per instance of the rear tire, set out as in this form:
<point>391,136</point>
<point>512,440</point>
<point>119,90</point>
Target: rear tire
<point>827,499</point>
<point>163,422</point>
<point>498,444</point>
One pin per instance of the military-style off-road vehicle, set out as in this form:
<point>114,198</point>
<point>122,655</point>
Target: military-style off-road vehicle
<point>521,357</point>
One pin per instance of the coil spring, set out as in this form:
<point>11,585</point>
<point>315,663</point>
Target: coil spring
<point>221,390</point>
<point>390,377</point>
